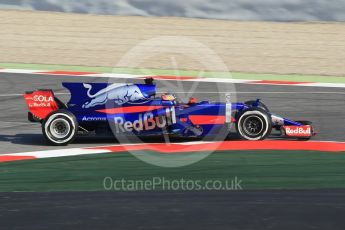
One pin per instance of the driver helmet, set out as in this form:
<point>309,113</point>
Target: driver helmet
<point>168,97</point>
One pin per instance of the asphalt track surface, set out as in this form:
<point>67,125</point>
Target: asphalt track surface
<point>295,209</point>
<point>311,209</point>
<point>324,106</point>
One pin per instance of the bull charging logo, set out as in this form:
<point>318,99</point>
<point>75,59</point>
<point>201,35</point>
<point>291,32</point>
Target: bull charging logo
<point>119,93</point>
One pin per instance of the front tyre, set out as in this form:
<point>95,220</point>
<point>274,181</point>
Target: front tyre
<point>60,127</point>
<point>254,124</point>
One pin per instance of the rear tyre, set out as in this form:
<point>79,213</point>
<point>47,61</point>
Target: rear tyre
<point>60,127</point>
<point>254,124</point>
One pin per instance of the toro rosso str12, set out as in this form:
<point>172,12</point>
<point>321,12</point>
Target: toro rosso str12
<point>134,109</point>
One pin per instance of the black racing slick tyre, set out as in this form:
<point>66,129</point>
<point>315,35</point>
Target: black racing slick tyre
<point>254,124</point>
<point>60,127</point>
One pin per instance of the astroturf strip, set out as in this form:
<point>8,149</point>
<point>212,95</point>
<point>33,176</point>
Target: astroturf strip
<point>142,71</point>
<point>256,170</point>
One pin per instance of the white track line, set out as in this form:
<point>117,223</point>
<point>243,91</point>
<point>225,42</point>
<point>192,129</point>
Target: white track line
<point>11,95</point>
<point>326,85</point>
<point>93,150</point>
<point>130,76</point>
<point>59,153</point>
<point>81,151</point>
<point>25,71</point>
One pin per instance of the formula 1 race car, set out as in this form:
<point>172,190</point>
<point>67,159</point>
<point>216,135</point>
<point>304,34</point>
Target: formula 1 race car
<point>134,109</point>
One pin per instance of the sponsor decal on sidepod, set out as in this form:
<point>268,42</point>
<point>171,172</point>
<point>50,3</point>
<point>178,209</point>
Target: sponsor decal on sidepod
<point>298,131</point>
<point>85,118</point>
<point>146,121</point>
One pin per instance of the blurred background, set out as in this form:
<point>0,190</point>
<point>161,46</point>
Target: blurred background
<point>268,10</point>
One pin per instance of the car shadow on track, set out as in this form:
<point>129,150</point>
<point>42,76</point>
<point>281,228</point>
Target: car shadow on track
<point>39,140</point>
<point>24,139</point>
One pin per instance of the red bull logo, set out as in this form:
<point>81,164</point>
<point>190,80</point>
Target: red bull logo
<point>146,121</point>
<point>298,131</point>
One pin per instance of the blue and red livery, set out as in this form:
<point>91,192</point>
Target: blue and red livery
<point>134,109</point>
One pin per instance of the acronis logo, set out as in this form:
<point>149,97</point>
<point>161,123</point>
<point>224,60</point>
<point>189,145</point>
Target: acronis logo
<point>119,93</point>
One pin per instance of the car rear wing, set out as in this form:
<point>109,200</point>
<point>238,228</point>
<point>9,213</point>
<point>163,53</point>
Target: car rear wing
<point>40,103</point>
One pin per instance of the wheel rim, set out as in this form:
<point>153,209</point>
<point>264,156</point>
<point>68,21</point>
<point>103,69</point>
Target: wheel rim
<point>60,128</point>
<point>253,125</point>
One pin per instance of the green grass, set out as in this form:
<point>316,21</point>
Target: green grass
<point>257,170</point>
<point>235,75</point>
